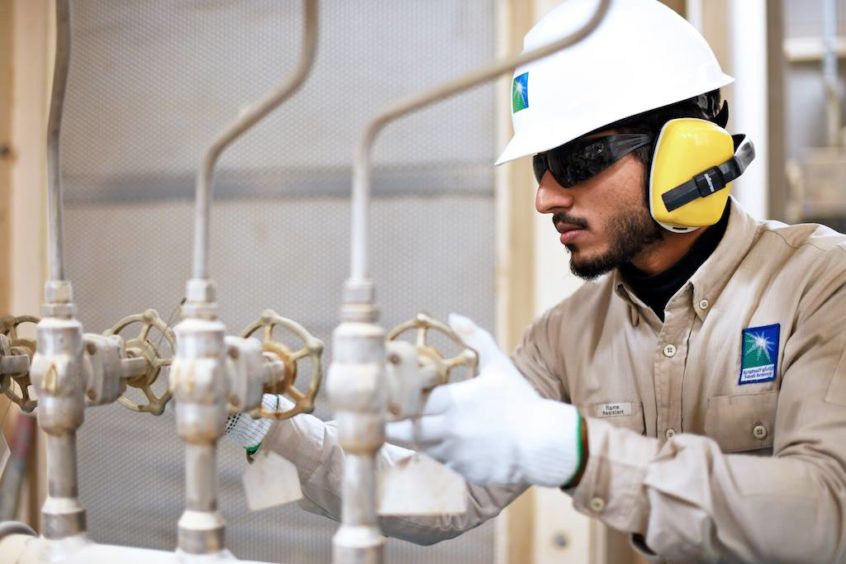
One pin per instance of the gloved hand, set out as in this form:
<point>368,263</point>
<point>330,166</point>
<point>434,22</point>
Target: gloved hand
<point>495,428</point>
<point>248,432</point>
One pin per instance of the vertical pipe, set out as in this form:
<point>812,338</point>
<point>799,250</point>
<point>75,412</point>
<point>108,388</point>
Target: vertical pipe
<point>54,180</point>
<point>247,119</point>
<point>356,379</point>
<point>359,269</point>
<point>62,515</point>
<point>748,54</point>
<point>832,87</point>
<point>201,477</point>
<point>62,465</point>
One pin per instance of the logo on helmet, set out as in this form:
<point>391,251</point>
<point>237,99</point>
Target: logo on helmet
<point>520,93</point>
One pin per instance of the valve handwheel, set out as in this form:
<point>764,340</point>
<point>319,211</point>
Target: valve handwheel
<point>147,346</point>
<point>9,327</point>
<point>312,349</point>
<point>423,324</point>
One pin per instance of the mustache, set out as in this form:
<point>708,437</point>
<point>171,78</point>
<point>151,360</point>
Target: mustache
<point>569,219</point>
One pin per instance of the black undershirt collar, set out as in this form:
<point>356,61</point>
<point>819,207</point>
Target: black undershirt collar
<point>655,291</point>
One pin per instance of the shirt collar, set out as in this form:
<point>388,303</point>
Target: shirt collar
<point>709,281</point>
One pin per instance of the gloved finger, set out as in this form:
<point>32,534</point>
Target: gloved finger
<point>439,400</point>
<point>478,339</point>
<point>276,403</point>
<point>417,433</point>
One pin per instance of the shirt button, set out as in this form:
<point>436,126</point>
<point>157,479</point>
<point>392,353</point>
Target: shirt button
<point>597,504</point>
<point>670,351</point>
<point>670,433</point>
<point>703,304</point>
<point>760,432</point>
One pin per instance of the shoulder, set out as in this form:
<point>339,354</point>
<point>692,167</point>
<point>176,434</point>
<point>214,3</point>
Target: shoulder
<point>583,308</point>
<point>809,238</point>
<point>804,264</point>
<point>813,253</point>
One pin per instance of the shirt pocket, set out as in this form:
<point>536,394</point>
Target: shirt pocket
<point>742,422</point>
<point>628,414</point>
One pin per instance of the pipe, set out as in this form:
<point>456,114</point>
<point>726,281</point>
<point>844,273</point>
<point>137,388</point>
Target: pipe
<point>356,382</point>
<point>19,547</point>
<point>361,178</point>
<point>248,118</point>
<point>832,86</point>
<point>54,123</point>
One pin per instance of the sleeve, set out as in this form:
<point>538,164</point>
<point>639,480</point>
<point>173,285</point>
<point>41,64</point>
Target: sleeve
<point>689,501</point>
<point>313,447</point>
<point>539,361</point>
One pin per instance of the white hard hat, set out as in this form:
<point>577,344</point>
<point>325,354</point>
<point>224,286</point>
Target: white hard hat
<point>642,56</point>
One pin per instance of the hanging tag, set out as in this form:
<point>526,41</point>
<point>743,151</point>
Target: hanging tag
<point>5,453</point>
<point>420,485</point>
<point>270,481</point>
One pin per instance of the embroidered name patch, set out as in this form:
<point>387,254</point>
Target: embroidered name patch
<point>759,356</point>
<point>520,93</point>
<point>614,409</point>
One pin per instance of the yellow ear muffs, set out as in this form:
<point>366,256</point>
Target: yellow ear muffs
<point>693,165</point>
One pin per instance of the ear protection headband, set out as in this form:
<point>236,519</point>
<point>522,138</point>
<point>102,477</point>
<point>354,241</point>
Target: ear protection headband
<point>693,165</point>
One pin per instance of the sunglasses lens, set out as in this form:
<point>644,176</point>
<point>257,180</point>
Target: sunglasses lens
<point>577,162</point>
<point>574,165</point>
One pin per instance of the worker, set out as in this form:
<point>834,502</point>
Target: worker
<point>692,393</point>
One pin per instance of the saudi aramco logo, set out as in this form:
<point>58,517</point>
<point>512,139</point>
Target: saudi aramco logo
<point>760,354</point>
<point>520,93</point>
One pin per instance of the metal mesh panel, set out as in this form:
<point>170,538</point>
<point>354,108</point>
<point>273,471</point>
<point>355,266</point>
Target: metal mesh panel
<point>150,84</point>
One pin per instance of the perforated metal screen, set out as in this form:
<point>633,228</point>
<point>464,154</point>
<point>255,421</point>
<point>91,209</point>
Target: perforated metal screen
<point>150,84</point>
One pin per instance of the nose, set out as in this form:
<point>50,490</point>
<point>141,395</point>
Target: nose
<point>551,196</point>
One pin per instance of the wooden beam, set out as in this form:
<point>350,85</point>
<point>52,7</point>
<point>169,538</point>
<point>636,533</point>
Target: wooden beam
<point>515,266</point>
<point>6,155</point>
<point>31,54</point>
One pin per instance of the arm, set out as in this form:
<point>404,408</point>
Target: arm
<point>312,446</point>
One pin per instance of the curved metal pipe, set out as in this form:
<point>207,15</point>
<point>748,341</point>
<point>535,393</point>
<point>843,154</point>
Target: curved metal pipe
<point>248,118</point>
<point>830,75</point>
<point>361,173</point>
<point>54,123</point>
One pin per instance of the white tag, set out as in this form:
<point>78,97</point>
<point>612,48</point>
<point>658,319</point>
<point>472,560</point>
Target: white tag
<point>615,409</point>
<point>5,453</point>
<point>270,481</point>
<point>419,485</point>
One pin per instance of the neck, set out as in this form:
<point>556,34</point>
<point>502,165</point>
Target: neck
<point>665,253</point>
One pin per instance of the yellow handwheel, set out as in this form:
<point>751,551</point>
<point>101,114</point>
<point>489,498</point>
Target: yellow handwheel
<point>143,346</point>
<point>312,349</point>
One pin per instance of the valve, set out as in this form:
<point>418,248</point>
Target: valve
<point>144,360</point>
<point>15,360</point>
<point>419,485</point>
<point>283,381</point>
<point>408,382</point>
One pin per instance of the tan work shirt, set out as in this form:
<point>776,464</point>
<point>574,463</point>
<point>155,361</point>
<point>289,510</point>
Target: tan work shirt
<point>719,433</point>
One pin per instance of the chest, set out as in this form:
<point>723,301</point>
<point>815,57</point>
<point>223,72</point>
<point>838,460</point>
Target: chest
<point>716,375</point>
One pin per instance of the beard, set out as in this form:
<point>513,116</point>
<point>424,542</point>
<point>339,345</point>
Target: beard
<point>629,234</point>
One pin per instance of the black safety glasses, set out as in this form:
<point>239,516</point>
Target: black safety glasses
<point>579,160</point>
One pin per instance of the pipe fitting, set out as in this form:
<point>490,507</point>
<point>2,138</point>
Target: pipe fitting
<point>103,368</point>
<point>246,372</point>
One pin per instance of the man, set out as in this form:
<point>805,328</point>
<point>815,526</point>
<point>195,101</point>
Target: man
<point>693,391</point>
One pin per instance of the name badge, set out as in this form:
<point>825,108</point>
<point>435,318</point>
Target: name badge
<point>614,409</point>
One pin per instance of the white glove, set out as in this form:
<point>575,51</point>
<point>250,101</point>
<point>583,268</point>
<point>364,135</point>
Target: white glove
<point>248,432</point>
<point>495,428</point>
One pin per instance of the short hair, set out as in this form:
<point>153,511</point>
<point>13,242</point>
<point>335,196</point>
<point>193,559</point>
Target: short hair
<point>708,106</point>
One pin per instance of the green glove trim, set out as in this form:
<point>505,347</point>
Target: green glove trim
<point>251,452</point>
